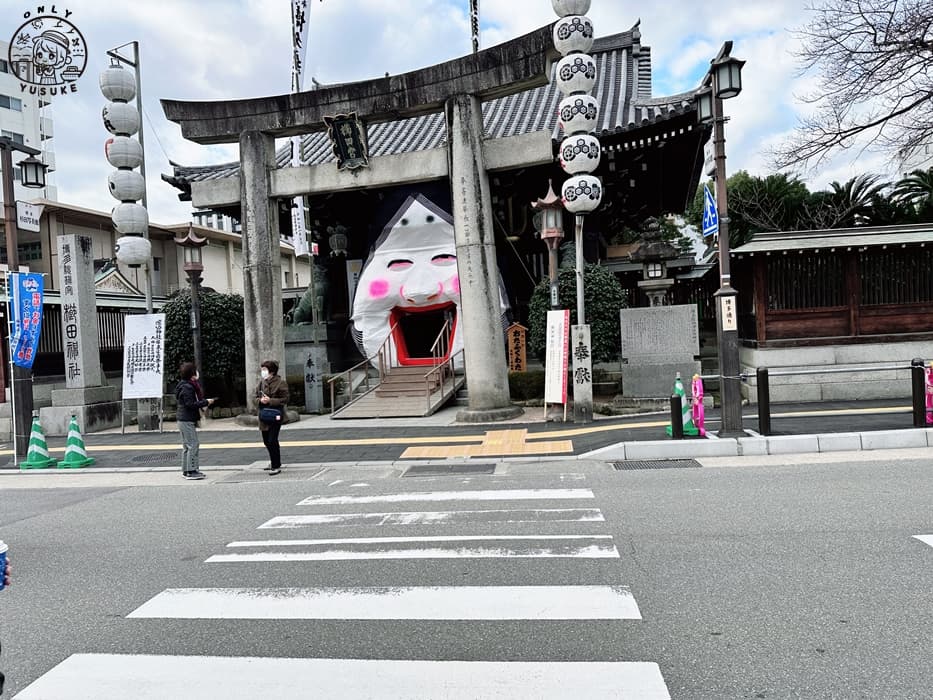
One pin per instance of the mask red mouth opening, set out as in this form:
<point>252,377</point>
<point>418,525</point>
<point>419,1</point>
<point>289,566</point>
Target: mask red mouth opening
<point>415,330</point>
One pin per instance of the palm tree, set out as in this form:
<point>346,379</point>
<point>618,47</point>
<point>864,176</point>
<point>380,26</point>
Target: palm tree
<point>846,205</point>
<point>916,189</point>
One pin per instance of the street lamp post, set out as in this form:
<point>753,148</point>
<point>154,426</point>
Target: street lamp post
<point>724,81</point>
<point>191,245</point>
<point>33,176</point>
<point>551,213</point>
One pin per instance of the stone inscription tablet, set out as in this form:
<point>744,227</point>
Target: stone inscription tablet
<point>660,334</point>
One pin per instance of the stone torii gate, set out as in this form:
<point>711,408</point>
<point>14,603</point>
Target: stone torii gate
<point>458,87</point>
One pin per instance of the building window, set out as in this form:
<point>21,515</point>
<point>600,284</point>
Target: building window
<point>13,136</point>
<point>4,66</point>
<point>13,103</point>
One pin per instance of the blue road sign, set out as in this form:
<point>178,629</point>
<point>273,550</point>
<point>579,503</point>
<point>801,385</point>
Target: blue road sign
<point>710,214</point>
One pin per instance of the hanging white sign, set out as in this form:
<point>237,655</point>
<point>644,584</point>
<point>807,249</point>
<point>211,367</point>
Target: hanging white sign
<point>28,216</point>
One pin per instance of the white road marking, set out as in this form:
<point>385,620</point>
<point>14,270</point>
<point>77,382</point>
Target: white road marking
<point>521,515</point>
<point>395,603</point>
<point>395,540</point>
<point>143,677</point>
<point>539,549</point>
<point>925,538</point>
<point>435,496</point>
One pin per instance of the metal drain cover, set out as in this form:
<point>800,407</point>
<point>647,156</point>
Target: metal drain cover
<point>157,458</point>
<point>656,464</point>
<point>449,469</point>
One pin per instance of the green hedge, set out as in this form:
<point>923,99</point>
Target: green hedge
<point>524,386</point>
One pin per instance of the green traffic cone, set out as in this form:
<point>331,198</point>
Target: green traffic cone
<point>37,457</point>
<point>685,409</point>
<point>75,454</point>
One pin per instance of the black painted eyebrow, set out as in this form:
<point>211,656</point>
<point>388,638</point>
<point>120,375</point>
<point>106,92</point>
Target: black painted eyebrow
<point>445,256</point>
<point>399,260</point>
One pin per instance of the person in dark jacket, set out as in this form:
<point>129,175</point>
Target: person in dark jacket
<point>271,392</point>
<point>190,398</point>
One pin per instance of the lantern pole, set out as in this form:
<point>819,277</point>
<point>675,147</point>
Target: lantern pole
<point>115,54</point>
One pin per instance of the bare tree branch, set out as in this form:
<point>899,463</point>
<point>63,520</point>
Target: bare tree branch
<point>874,59</point>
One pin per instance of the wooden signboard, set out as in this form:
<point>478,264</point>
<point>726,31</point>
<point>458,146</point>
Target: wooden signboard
<point>517,347</point>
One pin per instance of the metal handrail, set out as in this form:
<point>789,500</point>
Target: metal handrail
<point>449,362</point>
<point>378,356</point>
<point>440,336</point>
<point>832,370</point>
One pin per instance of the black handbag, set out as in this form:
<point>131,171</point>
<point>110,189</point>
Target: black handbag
<point>269,415</point>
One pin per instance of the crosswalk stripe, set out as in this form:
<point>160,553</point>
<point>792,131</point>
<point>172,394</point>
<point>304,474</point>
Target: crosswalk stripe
<point>395,603</point>
<point>925,538</point>
<point>435,496</point>
<point>539,548</point>
<point>518,515</point>
<point>150,677</point>
<point>397,540</point>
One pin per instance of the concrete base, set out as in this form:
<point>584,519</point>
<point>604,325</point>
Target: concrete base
<point>490,415</point>
<point>84,396</point>
<point>841,386</point>
<point>91,418</point>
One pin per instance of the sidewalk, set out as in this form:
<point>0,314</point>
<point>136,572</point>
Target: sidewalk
<point>318,440</point>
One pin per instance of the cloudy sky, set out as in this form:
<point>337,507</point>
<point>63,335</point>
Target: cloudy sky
<point>220,49</point>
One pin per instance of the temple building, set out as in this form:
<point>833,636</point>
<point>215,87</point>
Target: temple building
<point>651,164</point>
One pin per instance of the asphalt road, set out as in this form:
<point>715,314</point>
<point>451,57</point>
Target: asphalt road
<point>803,581</point>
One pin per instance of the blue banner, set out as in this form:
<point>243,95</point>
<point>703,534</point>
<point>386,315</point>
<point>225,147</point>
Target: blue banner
<point>27,317</point>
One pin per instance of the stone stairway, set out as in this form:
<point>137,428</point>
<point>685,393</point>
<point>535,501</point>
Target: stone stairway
<point>403,393</point>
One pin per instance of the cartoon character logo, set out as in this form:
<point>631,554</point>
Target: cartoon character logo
<point>48,50</point>
<point>410,288</point>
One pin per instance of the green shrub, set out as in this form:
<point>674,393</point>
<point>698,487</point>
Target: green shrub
<point>603,296</point>
<point>524,386</point>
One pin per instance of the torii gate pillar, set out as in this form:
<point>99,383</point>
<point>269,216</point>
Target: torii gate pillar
<point>483,342</point>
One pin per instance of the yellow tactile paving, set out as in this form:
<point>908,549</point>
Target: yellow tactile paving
<point>495,443</point>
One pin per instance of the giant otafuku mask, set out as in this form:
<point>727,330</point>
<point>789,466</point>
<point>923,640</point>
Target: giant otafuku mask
<point>410,286</point>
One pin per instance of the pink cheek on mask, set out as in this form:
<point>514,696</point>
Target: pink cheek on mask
<point>378,288</point>
<point>455,284</point>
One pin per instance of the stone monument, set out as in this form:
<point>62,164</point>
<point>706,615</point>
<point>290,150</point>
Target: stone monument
<point>657,343</point>
<point>85,395</point>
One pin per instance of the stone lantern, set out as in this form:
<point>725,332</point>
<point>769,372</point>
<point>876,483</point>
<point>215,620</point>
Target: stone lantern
<point>653,254</point>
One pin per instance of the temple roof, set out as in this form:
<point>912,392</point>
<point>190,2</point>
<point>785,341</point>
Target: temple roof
<point>623,89</point>
<point>831,239</point>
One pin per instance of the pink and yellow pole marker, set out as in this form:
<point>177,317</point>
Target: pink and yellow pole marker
<point>699,413</point>
<point>928,374</point>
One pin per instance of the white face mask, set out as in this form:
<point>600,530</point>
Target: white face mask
<point>196,376</point>
<point>264,373</point>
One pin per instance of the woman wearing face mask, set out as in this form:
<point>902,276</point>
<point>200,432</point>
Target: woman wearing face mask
<point>190,397</point>
<point>271,392</point>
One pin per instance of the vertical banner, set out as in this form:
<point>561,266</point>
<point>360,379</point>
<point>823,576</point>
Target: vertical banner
<point>556,356</point>
<point>143,350</point>
<point>354,268</point>
<point>582,374</point>
<point>27,317</point>
<point>299,41</point>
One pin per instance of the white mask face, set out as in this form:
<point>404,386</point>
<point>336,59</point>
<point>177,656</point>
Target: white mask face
<point>196,376</point>
<point>264,373</point>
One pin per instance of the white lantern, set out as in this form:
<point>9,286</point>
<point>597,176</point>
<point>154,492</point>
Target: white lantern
<point>117,84</point>
<point>120,118</point>
<point>581,194</point>
<point>579,153</point>
<point>576,73</point>
<point>570,7</point>
<point>126,185</point>
<point>123,152</point>
<point>130,218</point>
<point>573,34</point>
<point>578,114</point>
<point>133,250</point>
